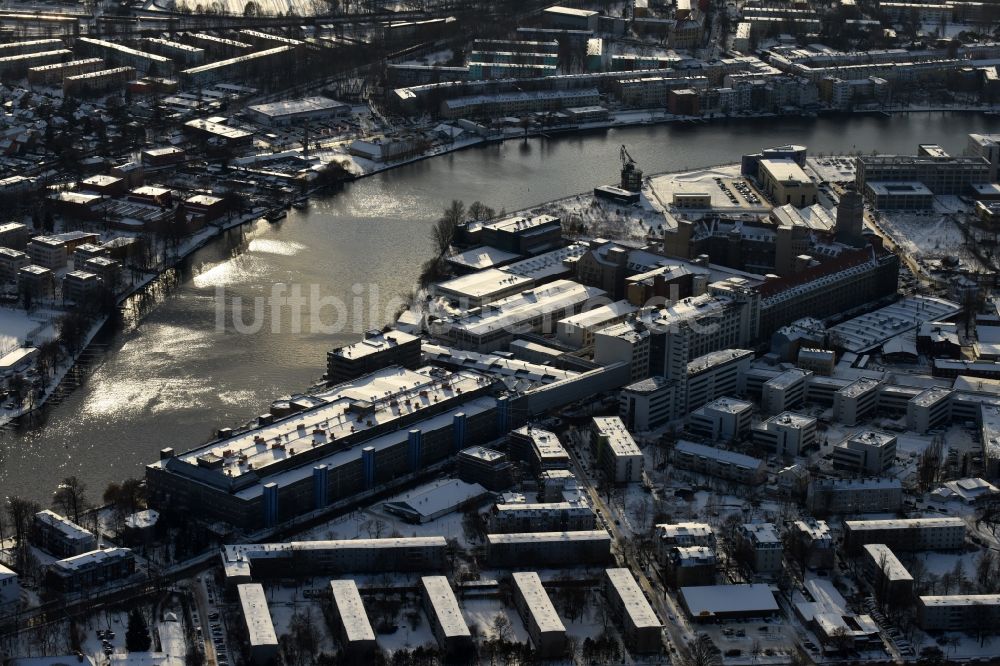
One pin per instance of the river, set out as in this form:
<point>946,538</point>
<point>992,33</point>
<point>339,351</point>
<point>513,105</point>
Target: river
<point>171,374</point>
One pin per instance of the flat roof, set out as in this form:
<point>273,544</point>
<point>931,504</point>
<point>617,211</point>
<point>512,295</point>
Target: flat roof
<point>91,558</point>
<point>373,342</point>
<point>633,600</point>
<point>620,440</point>
<point>351,610</point>
<point>121,48</point>
<point>519,223</point>
<point>570,11</point>
<point>549,264</point>
<point>256,614</point>
<point>594,317</point>
<point>961,600</point>
<point>904,523</point>
<point>859,387</point>
<point>445,605</point>
<point>484,256</point>
<point>791,420</point>
<point>546,537</point>
<point>785,169</point>
<point>708,600</point>
<point>883,557</point>
<point>722,455</point>
<point>483,284</point>
<point>728,405</point>
<point>537,600</point>
<point>293,107</point>
<point>545,443</point>
<point>915,187</point>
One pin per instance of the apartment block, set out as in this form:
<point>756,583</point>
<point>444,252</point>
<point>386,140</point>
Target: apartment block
<point>840,496</point>
<point>761,543</point>
<point>906,534</point>
<point>617,452</point>
<point>641,629</point>
<point>720,463</point>
<point>449,627</point>
<point>546,630</point>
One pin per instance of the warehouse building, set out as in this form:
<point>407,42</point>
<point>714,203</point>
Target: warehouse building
<point>257,624</point>
<point>714,603</point>
<point>356,634</point>
<point>546,630</point>
<point>307,109</point>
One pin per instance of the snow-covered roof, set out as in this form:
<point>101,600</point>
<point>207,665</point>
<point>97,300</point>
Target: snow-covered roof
<point>707,600</point>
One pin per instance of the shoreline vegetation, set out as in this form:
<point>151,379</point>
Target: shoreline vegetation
<point>335,174</point>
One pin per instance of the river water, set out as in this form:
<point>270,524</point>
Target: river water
<point>177,369</point>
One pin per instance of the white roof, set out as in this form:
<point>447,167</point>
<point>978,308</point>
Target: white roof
<point>445,605</point>
<point>351,610</point>
<point>294,107</point>
<point>714,599</point>
<point>596,316</point>
<point>484,256</point>
<point>722,455</point>
<point>537,600</point>
<point>785,169</point>
<point>620,440</point>
<point>544,537</point>
<point>256,614</point>
<point>483,284</point>
<point>904,523</point>
<point>632,598</point>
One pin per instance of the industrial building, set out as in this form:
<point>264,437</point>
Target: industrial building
<point>350,439</point>
<point>356,634</point>
<point>257,624</point>
<point>539,448</point>
<point>546,630</point>
<point>375,351</point>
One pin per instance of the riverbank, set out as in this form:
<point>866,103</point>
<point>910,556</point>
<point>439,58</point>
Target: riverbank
<point>184,249</point>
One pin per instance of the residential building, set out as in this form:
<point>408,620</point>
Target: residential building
<point>815,542</point>
<point>690,565</point>
<point>893,583</point>
<point>36,281</point>
<point>80,287</point>
<point>546,630</point>
<point>641,628</point>
<point>356,634</point>
<point>96,568</point>
<point>906,534</point>
<point>257,624</point>
<point>48,252</point>
<point>670,535</point>
<point>719,463</point>
<point>241,563</point>
<point>10,590</point>
<point>449,627</point>
<point>60,536</point>
<point>617,453</point>
<point>11,261</point>
<point>14,235</point>
<point>840,496</point>
<point>761,544</point>
<point>959,612</point>
<point>548,549</point>
<point>565,516</point>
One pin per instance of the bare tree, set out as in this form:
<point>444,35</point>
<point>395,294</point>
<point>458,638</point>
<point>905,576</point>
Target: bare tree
<point>70,498</point>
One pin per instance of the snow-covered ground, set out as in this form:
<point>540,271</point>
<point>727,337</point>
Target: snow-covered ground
<point>930,235</point>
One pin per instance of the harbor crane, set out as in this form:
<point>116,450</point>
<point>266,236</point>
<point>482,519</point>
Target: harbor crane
<point>631,174</point>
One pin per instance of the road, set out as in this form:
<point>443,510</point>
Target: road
<point>663,606</point>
